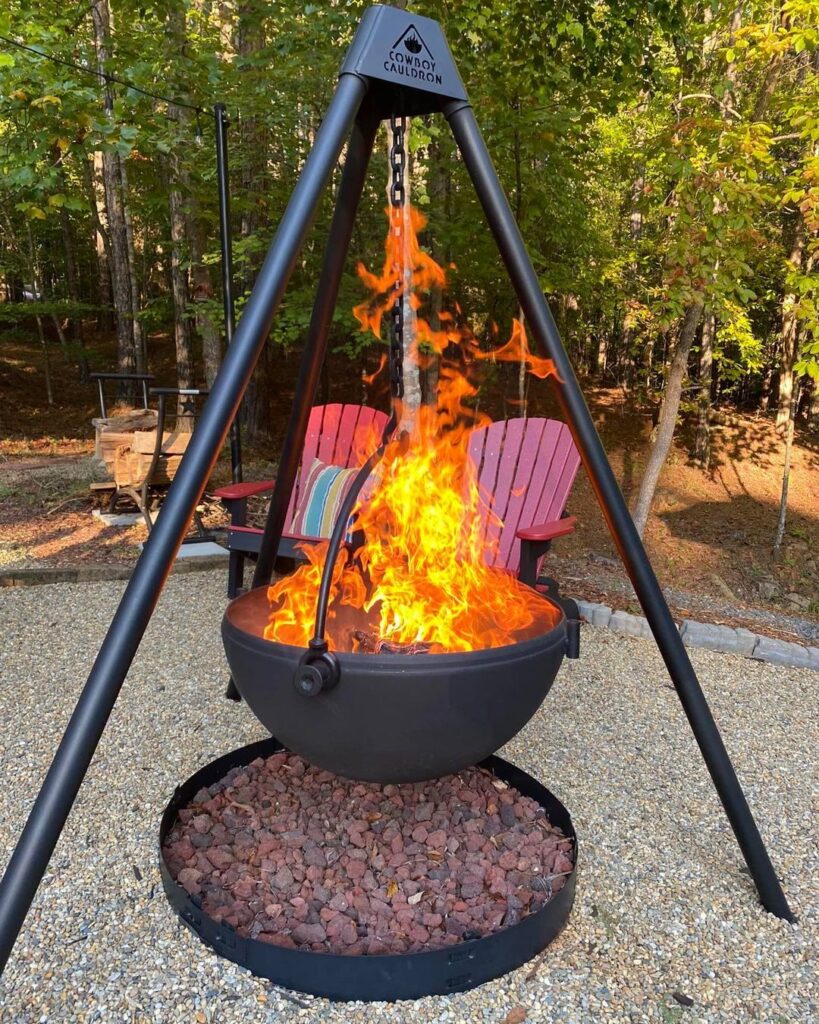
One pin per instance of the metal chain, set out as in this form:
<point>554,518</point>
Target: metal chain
<point>398,159</point>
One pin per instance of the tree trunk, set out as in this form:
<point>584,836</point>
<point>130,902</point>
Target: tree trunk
<point>786,475</point>
<point>813,408</point>
<point>36,284</point>
<point>702,448</point>
<point>92,177</point>
<point>767,379</point>
<point>668,416</point>
<point>179,289</point>
<point>140,350</point>
<point>252,151</point>
<point>789,349</point>
<point>202,285</point>
<point>177,185</point>
<point>72,280</point>
<point>601,355</point>
<point>61,335</point>
<point>115,210</point>
<point>46,360</point>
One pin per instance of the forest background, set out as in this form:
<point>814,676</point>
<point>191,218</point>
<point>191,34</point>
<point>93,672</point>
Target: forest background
<point>662,159</point>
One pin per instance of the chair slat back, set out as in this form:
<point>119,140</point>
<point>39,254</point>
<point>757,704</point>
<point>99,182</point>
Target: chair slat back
<point>525,471</point>
<point>336,434</point>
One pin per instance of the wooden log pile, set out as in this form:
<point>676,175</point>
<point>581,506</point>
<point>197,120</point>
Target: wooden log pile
<point>132,461</point>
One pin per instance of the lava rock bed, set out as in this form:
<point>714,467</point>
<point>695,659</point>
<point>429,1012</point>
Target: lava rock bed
<point>295,856</point>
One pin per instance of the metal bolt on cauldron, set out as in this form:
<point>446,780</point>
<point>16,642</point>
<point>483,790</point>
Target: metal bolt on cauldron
<point>345,717</point>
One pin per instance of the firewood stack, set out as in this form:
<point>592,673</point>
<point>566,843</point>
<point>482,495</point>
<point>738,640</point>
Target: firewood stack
<point>132,461</point>
<point>114,432</point>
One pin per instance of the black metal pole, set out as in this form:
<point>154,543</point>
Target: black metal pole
<point>315,349</point>
<point>541,324</point>
<point>53,804</point>
<point>226,243</point>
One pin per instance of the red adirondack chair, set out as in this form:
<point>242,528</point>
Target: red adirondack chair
<point>333,436</point>
<point>526,468</point>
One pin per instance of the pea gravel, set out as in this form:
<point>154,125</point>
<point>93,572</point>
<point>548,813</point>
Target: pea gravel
<point>665,913</point>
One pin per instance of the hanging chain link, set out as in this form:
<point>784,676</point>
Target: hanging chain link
<point>398,159</point>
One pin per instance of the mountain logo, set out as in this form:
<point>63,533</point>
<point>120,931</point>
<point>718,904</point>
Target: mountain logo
<point>411,58</point>
<point>412,42</point>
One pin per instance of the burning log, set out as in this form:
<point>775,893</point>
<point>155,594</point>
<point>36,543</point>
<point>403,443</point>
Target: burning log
<point>369,643</point>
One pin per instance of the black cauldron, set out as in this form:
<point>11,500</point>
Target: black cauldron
<point>392,717</point>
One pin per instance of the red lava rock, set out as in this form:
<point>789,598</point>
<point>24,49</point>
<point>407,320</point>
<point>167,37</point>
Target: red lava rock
<point>219,857</point>
<point>562,863</point>
<point>437,840</point>
<point>424,812</point>
<point>339,902</point>
<point>508,860</point>
<point>356,869</point>
<point>283,878</point>
<point>183,849</point>
<point>244,890</point>
<point>471,887</point>
<point>278,939</point>
<point>363,869</point>
<point>308,933</point>
<point>188,878</point>
<point>508,816</point>
<point>315,857</point>
<point>202,823</point>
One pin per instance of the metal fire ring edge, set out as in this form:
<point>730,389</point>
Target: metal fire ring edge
<point>392,976</point>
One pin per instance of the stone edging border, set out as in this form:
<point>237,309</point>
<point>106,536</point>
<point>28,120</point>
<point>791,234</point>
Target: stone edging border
<point>724,639</point>
<point>99,573</point>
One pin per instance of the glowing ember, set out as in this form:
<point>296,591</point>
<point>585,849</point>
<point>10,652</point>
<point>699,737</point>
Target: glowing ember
<point>421,578</point>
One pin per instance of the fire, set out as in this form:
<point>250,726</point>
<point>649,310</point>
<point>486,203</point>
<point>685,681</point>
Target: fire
<point>420,580</point>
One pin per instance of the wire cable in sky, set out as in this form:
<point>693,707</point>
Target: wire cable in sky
<point>103,75</point>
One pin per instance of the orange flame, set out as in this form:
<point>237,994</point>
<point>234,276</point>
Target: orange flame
<point>421,575</point>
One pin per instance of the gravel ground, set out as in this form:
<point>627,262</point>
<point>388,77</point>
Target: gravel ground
<point>663,906</point>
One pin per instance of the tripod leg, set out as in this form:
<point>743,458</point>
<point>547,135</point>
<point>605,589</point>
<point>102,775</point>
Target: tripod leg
<point>315,349</point>
<point>542,326</point>
<point>53,805</point>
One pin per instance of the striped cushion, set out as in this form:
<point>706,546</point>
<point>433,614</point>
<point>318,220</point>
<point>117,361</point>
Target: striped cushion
<point>321,494</point>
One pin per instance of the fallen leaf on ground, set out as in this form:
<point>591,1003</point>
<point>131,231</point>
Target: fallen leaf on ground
<point>516,1016</point>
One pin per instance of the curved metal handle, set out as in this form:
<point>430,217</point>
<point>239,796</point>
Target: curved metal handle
<point>340,528</point>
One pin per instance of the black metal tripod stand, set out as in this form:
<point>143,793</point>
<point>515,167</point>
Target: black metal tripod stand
<point>398,62</point>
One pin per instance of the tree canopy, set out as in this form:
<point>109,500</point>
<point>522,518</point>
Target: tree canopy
<point>662,159</point>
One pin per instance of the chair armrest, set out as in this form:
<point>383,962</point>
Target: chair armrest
<point>235,492</point>
<point>548,531</point>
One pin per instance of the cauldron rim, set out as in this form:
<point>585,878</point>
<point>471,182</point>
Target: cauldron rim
<point>382,662</point>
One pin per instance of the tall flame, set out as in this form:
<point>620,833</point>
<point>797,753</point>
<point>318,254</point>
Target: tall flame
<point>421,576</point>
